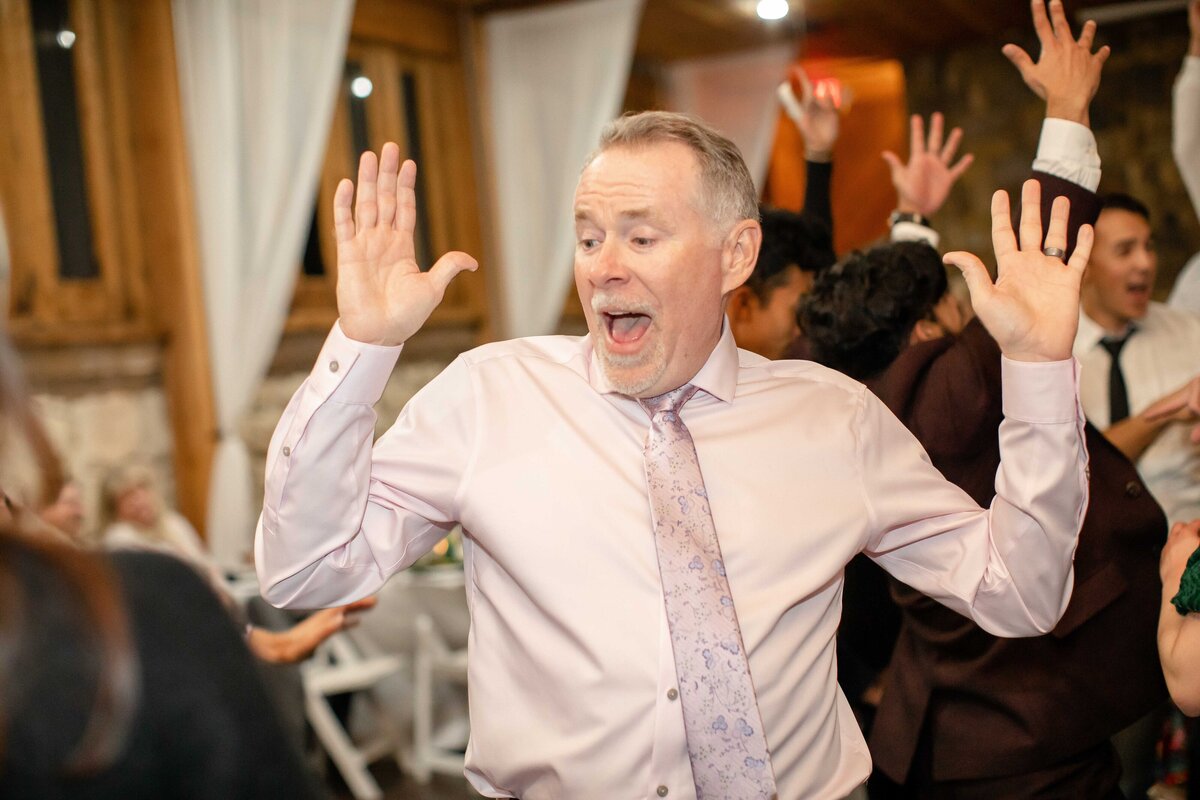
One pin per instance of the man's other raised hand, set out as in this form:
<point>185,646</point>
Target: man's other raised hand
<point>383,297</point>
<point>1032,309</point>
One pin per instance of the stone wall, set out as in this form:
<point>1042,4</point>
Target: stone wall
<point>978,89</point>
<point>98,432</point>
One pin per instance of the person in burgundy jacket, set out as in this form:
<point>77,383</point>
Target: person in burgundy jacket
<point>964,714</point>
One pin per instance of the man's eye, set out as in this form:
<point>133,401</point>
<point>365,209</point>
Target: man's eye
<point>643,241</point>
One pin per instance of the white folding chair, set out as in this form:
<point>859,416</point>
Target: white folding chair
<point>441,623</point>
<point>433,662</point>
<point>340,666</point>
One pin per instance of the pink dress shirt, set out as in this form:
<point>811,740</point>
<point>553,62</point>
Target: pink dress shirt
<point>570,669</point>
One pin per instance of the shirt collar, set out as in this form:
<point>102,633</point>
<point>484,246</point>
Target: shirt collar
<point>718,376</point>
<point>1090,333</point>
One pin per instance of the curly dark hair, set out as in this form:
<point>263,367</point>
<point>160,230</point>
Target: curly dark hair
<point>860,313</point>
<point>789,238</point>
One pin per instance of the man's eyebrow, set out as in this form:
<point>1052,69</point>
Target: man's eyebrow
<point>633,214</point>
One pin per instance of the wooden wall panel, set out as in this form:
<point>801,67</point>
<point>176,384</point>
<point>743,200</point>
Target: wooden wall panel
<point>24,189</point>
<point>168,224</point>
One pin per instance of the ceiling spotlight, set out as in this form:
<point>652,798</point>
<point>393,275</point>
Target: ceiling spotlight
<point>65,38</point>
<point>772,9</point>
<point>361,87</point>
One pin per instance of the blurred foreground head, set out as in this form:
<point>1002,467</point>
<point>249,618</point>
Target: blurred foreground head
<point>60,615</point>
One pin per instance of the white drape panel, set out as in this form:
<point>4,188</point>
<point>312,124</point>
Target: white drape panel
<point>736,95</point>
<point>555,75</point>
<point>257,80</point>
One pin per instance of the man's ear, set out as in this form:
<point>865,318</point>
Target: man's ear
<point>926,330</point>
<point>740,254</point>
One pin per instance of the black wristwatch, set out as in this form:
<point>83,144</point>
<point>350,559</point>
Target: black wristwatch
<point>908,216</point>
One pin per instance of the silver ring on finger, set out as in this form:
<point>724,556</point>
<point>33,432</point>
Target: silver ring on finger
<point>1055,252</point>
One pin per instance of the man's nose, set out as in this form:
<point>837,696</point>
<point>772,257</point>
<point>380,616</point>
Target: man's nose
<point>1144,259</point>
<point>608,266</point>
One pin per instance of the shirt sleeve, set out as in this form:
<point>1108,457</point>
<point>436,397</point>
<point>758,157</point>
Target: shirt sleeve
<point>915,232</point>
<point>340,515</point>
<point>1185,117</point>
<point>1009,567</point>
<point>1068,150</point>
<point>818,205</point>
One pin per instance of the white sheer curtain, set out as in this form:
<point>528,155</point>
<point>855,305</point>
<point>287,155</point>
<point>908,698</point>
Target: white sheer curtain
<point>258,80</point>
<point>736,95</point>
<point>555,76</point>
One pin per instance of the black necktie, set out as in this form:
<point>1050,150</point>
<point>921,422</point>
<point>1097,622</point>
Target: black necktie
<point>1118,399</point>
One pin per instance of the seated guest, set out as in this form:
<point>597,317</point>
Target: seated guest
<point>965,714</point>
<point>65,514</point>
<point>120,676</point>
<point>135,518</point>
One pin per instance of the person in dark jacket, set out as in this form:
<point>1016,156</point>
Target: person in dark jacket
<point>964,714</point>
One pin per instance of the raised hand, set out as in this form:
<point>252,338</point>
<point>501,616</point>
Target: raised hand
<point>924,183</point>
<point>382,295</point>
<point>816,115</point>
<point>1181,405</point>
<point>1032,310</point>
<point>1067,72</point>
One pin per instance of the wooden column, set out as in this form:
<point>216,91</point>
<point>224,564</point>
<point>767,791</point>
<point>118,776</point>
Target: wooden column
<point>171,246</point>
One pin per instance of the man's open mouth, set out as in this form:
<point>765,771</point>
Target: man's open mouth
<point>1139,289</point>
<point>625,327</point>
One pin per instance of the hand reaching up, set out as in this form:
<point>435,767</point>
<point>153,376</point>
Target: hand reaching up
<point>383,297</point>
<point>1032,310</point>
<point>1067,72</point>
<point>815,114</point>
<point>924,183</point>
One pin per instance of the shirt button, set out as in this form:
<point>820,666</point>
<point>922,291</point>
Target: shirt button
<point>672,694</point>
<point>333,366</point>
<point>662,791</point>
<point>287,451</point>
<point>1133,490</point>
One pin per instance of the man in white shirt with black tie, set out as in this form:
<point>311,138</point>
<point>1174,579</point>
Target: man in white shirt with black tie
<point>1137,355</point>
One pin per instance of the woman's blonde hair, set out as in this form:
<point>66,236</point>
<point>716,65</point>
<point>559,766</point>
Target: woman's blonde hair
<point>117,482</point>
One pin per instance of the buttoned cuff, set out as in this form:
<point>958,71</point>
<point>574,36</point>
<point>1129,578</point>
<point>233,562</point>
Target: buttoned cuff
<point>352,372</point>
<point>1068,150</point>
<point>1043,392</point>
<point>914,232</point>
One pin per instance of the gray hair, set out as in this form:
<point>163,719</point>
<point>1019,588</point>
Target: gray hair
<point>727,188</point>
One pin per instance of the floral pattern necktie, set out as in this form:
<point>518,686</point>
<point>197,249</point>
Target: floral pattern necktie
<point>726,744</point>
